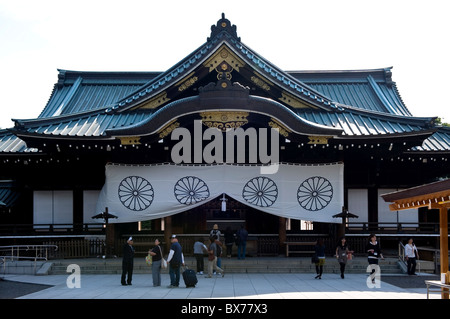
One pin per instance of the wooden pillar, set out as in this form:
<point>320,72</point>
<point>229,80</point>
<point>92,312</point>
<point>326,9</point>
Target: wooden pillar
<point>443,244</point>
<point>110,240</point>
<point>78,210</point>
<point>340,229</point>
<point>167,232</point>
<point>282,234</point>
<point>372,197</point>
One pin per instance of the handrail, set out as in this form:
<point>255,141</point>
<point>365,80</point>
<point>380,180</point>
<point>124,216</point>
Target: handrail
<point>401,255</point>
<point>436,256</point>
<point>401,252</point>
<point>15,250</point>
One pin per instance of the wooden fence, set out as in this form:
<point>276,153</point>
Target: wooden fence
<point>78,248</point>
<point>257,245</point>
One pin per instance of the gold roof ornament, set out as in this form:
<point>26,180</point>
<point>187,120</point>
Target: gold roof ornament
<point>224,120</point>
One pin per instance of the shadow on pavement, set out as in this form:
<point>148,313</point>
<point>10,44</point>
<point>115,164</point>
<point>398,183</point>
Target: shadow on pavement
<point>13,289</point>
<point>408,281</point>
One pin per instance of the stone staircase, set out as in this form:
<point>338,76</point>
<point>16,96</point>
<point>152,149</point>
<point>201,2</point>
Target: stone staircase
<point>249,265</point>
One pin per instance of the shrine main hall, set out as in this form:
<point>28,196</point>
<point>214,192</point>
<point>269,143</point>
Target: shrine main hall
<point>223,137</point>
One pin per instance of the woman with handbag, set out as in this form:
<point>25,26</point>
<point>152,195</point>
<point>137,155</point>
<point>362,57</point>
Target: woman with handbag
<point>156,254</point>
<point>343,254</point>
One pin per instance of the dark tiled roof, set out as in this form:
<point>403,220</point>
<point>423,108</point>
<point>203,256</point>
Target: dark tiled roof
<point>360,102</point>
<point>9,143</point>
<point>438,142</point>
<point>8,194</point>
<point>85,91</point>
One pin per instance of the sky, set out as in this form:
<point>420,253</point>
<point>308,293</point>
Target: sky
<point>39,37</point>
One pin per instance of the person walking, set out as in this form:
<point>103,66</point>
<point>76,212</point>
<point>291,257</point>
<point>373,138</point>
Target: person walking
<point>156,254</point>
<point>229,240</point>
<point>241,238</point>
<point>199,248</point>
<point>319,251</point>
<point>175,260</point>
<point>342,253</point>
<point>212,259</point>
<point>411,254</point>
<point>219,247</point>
<point>127,262</point>
<point>374,253</point>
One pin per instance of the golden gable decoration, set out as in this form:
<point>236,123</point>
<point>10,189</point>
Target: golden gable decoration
<point>224,120</point>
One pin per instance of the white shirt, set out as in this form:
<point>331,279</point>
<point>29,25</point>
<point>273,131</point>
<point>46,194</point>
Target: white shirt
<point>409,250</point>
<point>171,253</point>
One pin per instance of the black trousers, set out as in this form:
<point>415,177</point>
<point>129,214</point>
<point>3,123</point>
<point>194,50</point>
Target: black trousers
<point>411,266</point>
<point>200,262</point>
<point>127,269</point>
<point>319,270</point>
<point>229,249</point>
<point>342,268</point>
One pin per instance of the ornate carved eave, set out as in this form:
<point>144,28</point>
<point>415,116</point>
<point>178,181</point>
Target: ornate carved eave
<point>226,105</point>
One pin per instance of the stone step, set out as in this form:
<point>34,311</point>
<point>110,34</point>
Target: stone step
<point>249,265</point>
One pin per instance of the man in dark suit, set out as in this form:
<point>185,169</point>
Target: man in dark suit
<point>127,262</point>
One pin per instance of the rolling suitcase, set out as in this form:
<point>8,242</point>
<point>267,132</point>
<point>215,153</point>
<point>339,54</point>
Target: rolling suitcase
<point>189,277</point>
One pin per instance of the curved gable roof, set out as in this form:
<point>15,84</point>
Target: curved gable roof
<point>360,103</point>
<point>210,55</point>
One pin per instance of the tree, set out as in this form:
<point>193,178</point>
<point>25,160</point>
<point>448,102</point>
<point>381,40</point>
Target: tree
<point>439,122</point>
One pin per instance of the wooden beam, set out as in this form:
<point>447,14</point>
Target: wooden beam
<point>282,233</point>
<point>433,190</point>
<point>431,203</point>
<point>443,243</point>
<point>167,232</point>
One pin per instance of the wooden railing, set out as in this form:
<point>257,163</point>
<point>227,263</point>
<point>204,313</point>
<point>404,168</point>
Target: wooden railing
<point>257,245</point>
<point>98,228</point>
<point>73,242</point>
<point>78,248</point>
<point>51,229</point>
<point>386,227</point>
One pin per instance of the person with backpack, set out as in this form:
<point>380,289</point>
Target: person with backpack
<point>212,258</point>
<point>219,251</point>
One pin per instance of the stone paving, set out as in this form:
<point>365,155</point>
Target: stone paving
<point>232,286</point>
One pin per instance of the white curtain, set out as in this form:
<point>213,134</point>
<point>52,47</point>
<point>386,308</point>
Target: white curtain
<point>358,204</point>
<point>385,215</point>
<point>90,198</point>
<point>52,207</point>
<point>144,192</point>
